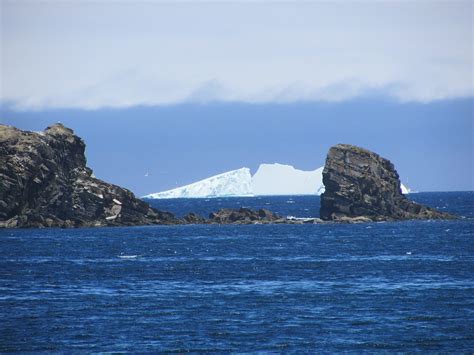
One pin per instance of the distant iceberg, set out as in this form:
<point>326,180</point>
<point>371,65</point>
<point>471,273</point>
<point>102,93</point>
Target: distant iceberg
<point>269,180</point>
<point>279,179</point>
<point>232,183</point>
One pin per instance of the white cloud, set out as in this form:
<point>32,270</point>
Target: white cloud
<point>108,54</point>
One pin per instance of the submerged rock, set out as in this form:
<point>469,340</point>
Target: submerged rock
<point>44,182</point>
<point>362,186</point>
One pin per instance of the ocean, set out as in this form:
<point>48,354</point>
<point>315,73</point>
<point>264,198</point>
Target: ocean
<point>401,286</point>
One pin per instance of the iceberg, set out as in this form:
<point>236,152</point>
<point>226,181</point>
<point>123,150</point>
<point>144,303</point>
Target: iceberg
<point>280,179</point>
<point>232,183</point>
<point>269,180</point>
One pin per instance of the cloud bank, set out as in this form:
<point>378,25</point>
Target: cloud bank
<point>70,54</point>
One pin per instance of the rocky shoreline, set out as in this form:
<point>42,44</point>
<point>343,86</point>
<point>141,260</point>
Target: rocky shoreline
<point>44,182</point>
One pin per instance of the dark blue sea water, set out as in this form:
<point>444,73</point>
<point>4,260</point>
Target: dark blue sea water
<point>406,286</point>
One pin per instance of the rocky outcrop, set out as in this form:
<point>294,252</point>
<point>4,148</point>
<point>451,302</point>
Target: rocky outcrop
<point>247,216</point>
<point>194,218</point>
<point>44,182</point>
<point>362,186</point>
<point>243,216</point>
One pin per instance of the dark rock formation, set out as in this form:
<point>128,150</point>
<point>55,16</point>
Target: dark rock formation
<point>247,216</point>
<point>193,218</point>
<point>362,186</point>
<point>44,182</point>
<point>243,216</point>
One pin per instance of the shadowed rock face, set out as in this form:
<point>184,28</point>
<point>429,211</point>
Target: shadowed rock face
<point>44,182</point>
<point>360,183</point>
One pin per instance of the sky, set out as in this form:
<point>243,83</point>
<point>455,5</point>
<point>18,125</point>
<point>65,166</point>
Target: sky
<point>183,90</point>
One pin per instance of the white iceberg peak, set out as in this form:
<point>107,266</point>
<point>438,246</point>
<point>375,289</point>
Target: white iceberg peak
<point>232,183</point>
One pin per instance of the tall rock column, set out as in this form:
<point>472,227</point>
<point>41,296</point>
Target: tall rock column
<point>362,184</point>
